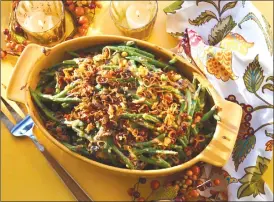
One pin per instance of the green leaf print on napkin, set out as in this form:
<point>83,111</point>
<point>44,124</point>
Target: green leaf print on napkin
<point>204,17</point>
<point>269,86</point>
<point>228,6</point>
<point>220,30</point>
<point>267,34</point>
<point>173,7</point>
<point>242,149</point>
<point>253,79</point>
<point>252,182</point>
<point>253,76</point>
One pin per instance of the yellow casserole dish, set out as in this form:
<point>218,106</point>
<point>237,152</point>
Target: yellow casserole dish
<point>36,58</point>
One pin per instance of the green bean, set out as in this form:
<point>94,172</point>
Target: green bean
<point>69,62</point>
<point>145,125</point>
<point>57,88</point>
<point>172,146</point>
<point>189,101</point>
<point>64,92</point>
<point>182,142</point>
<point>121,80</point>
<point>173,61</point>
<point>185,139</point>
<point>216,117</point>
<point>154,151</point>
<point>127,162</point>
<point>209,114</point>
<point>157,63</point>
<point>57,99</point>
<point>194,82</point>
<point>66,64</point>
<point>157,162</point>
<point>179,149</point>
<point>110,67</point>
<point>74,126</point>
<point>130,43</point>
<point>195,130</point>
<point>143,62</point>
<point>171,89</point>
<point>156,140</point>
<point>132,63</point>
<point>134,96</point>
<point>73,53</point>
<point>65,105</point>
<point>145,116</point>
<point>131,51</point>
<point>183,106</point>
<point>81,150</point>
<point>112,158</point>
<point>44,109</point>
<point>194,102</point>
<point>202,98</point>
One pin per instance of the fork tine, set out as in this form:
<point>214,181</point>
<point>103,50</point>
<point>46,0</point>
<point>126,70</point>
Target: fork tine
<point>13,104</point>
<point>7,113</point>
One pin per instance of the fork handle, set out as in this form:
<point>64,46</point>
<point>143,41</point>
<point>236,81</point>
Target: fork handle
<point>75,189</point>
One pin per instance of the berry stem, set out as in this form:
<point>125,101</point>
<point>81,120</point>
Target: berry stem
<point>262,99</point>
<point>262,107</point>
<point>266,124</point>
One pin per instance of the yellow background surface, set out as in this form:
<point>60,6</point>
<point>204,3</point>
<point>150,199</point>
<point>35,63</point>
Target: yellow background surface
<point>26,175</point>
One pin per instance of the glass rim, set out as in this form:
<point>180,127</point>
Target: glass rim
<point>60,20</point>
<point>134,29</point>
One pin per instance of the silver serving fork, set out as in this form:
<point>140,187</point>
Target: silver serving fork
<point>24,128</point>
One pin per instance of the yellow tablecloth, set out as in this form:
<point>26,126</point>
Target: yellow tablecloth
<point>26,175</point>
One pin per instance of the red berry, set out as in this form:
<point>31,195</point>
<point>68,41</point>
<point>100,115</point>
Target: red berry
<point>194,177</point>
<point>18,29</point>
<point>83,20</point>
<point>3,54</point>
<point>141,199</point>
<point>76,36</point>
<point>19,48</point>
<point>7,37</point>
<point>201,188</point>
<point>6,32</point>
<point>178,199</point>
<point>196,170</point>
<point>82,31</point>
<point>142,180</point>
<point>154,184</point>
<point>189,173</point>
<point>231,98</point>
<point>98,4</point>
<point>213,192</point>
<point>188,182</point>
<point>194,193</point>
<point>71,7</point>
<point>217,182</point>
<point>79,11</point>
<point>85,26</point>
<point>69,2</point>
<point>209,184</point>
<point>11,45</point>
<point>130,191</point>
<point>92,5</point>
<point>136,194</point>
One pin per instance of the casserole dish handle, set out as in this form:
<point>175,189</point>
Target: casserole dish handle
<point>17,86</point>
<point>221,146</point>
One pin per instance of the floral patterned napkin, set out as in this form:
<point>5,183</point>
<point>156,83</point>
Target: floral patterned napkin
<point>231,42</point>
